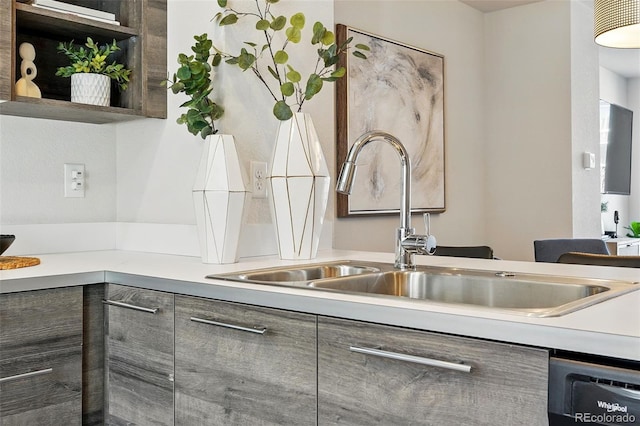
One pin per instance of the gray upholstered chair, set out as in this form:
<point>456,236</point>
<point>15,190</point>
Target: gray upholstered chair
<point>551,249</point>
<point>600,259</point>
<point>480,252</point>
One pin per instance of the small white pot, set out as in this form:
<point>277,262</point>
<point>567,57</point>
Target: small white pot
<point>89,88</point>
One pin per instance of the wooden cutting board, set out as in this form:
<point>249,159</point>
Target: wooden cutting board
<point>13,262</point>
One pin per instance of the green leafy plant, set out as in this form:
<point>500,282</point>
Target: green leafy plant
<point>284,83</point>
<point>193,78</point>
<point>92,58</point>
<point>604,206</point>
<point>634,227</point>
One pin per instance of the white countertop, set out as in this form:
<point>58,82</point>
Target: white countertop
<point>610,328</point>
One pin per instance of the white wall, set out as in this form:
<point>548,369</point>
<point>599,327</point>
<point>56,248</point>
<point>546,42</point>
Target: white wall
<point>618,90</point>
<point>509,144</point>
<point>634,103</point>
<point>157,159</point>
<point>455,31</point>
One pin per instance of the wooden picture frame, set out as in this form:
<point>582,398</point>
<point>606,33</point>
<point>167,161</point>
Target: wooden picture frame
<point>398,89</point>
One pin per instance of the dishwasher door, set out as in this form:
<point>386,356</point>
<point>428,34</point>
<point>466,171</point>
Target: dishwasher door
<point>593,393</point>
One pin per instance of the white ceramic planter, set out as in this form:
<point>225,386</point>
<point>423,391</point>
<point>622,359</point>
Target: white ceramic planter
<point>219,197</point>
<point>299,184</point>
<point>89,88</point>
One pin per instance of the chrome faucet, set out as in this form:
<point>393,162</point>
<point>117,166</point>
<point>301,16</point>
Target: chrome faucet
<point>407,242</point>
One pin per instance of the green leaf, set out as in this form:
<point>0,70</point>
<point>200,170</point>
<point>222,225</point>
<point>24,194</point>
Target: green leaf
<point>314,85</point>
<point>183,73</point>
<point>222,3</point>
<point>282,111</point>
<point>246,60</point>
<point>281,57</point>
<point>232,61</point>
<point>273,72</point>
<point>328,38</point>
<point>217,58</point>
<point>318,33</point>
<point>287,89</point>
<point>339,72</point>
<point>294,35</point>
<point>293,75</point>
<point>359,54</point>
<point>262,25</point>
<point>362,47</point>
<point>248,43</point>
<point>229,19</point>
<point>298,20</point>
<point>278,23</point>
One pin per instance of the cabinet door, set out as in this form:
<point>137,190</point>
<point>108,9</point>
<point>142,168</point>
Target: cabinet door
<point>40,321</point>
<point>139,356</point>
<point>390,385</point>
<point>42,389</point>
<point>243,365</point>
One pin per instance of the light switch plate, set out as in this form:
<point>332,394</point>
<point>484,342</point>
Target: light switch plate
<point>74,180</point>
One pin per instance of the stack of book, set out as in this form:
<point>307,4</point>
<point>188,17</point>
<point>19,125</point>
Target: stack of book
<point>73,9</point>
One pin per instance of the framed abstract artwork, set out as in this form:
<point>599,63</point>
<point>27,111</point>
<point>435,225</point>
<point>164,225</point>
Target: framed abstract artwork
<point>398,89</point>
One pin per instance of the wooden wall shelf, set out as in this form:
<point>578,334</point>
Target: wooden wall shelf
<point>141,35</point>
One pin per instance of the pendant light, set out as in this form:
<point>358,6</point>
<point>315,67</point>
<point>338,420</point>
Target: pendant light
<point>617,23</point>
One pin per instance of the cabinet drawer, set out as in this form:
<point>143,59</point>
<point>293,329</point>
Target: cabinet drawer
<point>139,356</point>
<point>629,249</point>
<point>40,321</point>
<point>242,365</point>
<point>505,385</point>
<point>42,389</point>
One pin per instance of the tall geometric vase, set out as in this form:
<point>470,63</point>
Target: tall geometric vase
<point>219,197</point>
<point>299,183</point>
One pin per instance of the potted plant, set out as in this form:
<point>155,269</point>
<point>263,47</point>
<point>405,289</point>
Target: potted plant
<point>90,72</point>
<point>193,78</point>
<point>634,227</point>
<point>219,192</point>
<point>298,175</point>
<point>283,82</point>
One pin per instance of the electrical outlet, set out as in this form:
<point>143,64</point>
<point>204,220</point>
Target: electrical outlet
<point>74,180</point>
<point>259,179</point>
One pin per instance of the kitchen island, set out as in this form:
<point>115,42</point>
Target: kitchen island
<point>610,328</point>
<point>142,338</point>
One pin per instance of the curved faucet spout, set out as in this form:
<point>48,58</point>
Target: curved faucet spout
<point>407,243</point>
<point>348,170</point>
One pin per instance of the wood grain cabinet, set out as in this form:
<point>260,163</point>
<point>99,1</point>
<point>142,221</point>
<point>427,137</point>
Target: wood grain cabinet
<point>372,374</point>
<point>41,357</point>
<point>243,365</point>
<point>139,354</point>
<point>141,35</point>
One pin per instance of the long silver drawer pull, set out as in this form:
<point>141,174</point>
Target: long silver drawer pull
<point>26,375</point>
<point>411,358</point>
<point>261,330</point>
<point>128,306</point>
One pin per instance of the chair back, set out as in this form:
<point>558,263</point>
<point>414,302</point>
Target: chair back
<point>551,249</point>
<point>480,252</point>
<point>600,259</point>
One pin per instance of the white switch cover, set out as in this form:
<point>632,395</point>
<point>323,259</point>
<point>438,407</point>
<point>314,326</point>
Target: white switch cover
<point>74,180</point>
<point>259,179</point>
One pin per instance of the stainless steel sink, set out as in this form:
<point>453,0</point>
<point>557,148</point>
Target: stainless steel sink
<point>302,274</point>
<point>525,294</point>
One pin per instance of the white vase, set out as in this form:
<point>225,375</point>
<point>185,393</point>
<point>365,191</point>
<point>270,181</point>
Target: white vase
<point>299,184</point>
<point>89,88</point>
<point>219,197</point>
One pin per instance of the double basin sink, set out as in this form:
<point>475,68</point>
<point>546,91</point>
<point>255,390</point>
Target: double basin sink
<point>525,294</point>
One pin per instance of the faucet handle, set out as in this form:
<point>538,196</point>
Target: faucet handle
<point>431,243</point>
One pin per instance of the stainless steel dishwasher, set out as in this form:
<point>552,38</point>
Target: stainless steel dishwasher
<point>594,392</point>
